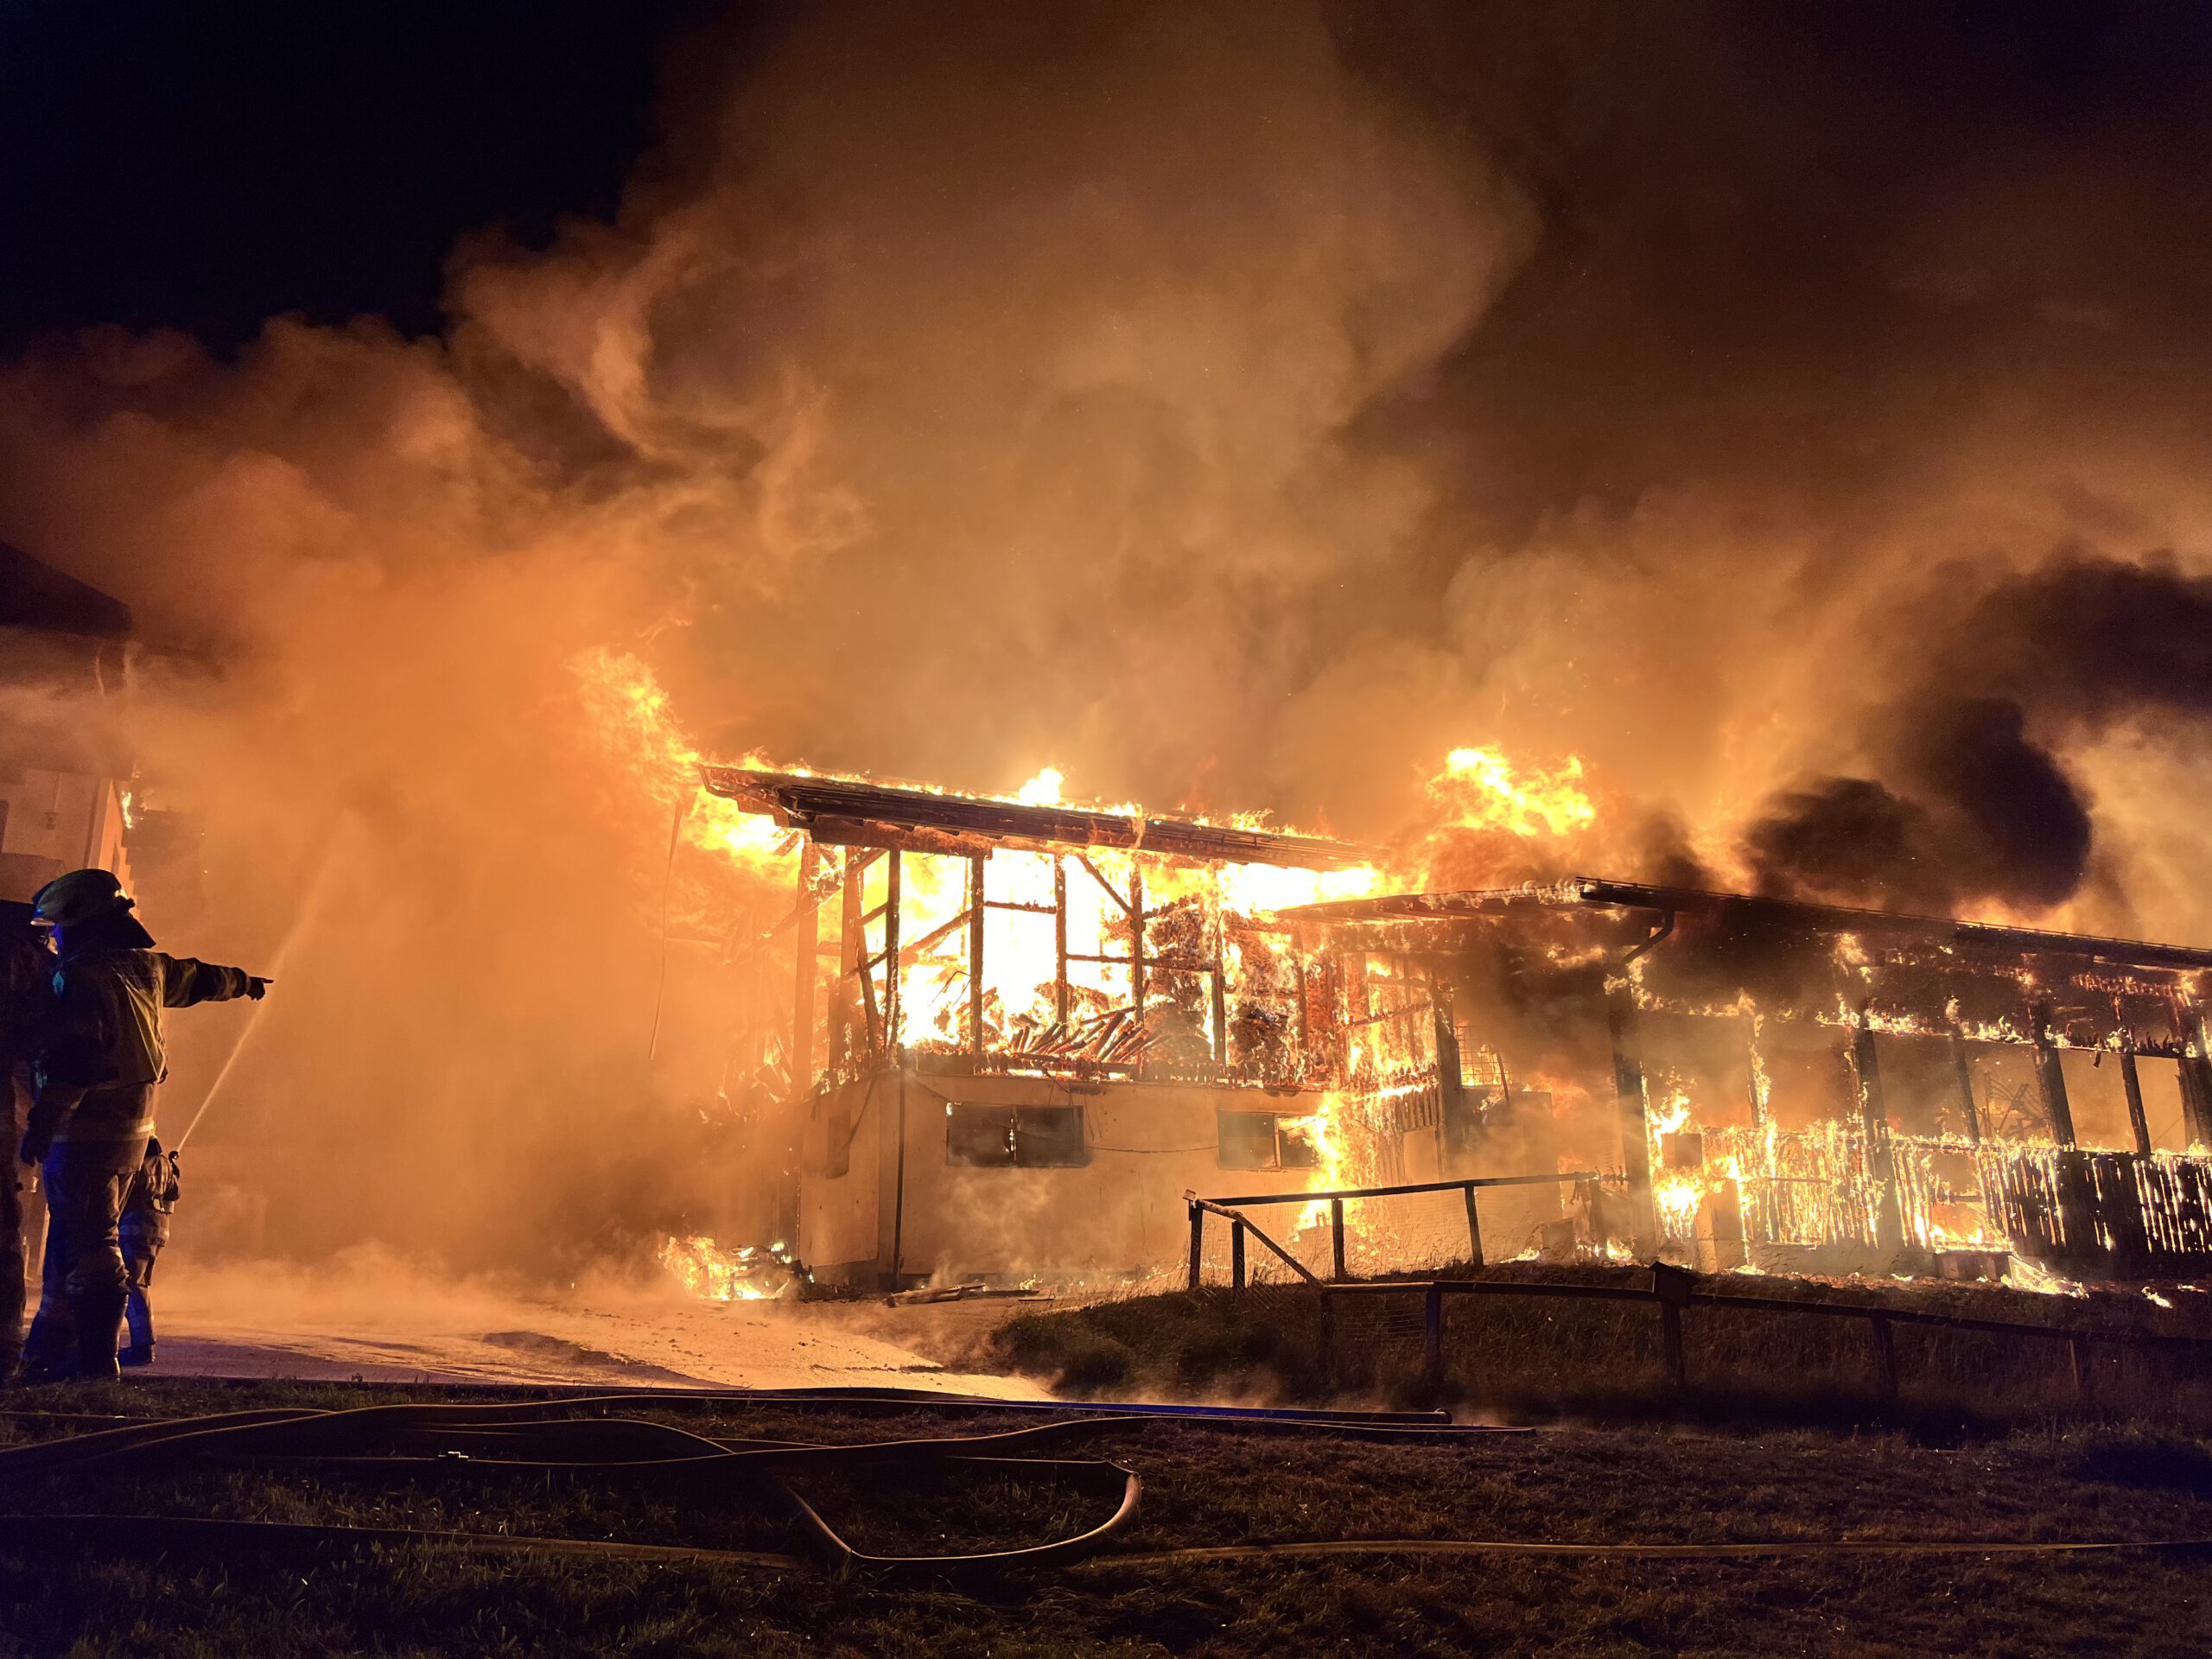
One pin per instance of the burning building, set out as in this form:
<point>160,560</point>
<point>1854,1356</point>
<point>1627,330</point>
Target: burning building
<point>1012,1033</point>
<point>1804,1087</point>
<point>1004,1038</point>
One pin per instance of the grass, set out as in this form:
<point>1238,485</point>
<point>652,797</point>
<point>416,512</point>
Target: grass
<point>1204,1484</point>
<point>1534,1358</point>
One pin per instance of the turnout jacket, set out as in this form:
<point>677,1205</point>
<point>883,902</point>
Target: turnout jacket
<point>107,1048</point>
<point>25,1000</point>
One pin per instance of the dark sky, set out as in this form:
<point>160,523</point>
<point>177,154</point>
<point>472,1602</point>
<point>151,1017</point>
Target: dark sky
<point>206,166</point>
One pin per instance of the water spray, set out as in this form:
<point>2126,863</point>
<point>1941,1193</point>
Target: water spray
<point>310,906</point>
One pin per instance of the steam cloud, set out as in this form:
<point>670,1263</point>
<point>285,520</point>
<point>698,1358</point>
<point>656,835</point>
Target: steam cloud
<point>1234,405</point>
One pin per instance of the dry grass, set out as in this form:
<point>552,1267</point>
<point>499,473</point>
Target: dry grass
<point>1535,1357</point>
<point>1204,1484</point>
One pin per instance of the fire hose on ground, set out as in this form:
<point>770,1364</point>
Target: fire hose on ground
<point>544,1438</point>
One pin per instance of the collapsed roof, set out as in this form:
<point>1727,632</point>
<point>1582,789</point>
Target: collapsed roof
<point>840,812</point>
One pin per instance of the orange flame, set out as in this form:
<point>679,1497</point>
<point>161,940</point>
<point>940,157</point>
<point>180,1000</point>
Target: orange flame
<point>632,716</point>
<point>1481,789</point>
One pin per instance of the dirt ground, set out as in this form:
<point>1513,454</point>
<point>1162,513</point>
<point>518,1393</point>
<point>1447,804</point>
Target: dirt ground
<point>371,1318</point>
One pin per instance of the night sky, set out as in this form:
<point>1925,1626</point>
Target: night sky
<point>205,167</point>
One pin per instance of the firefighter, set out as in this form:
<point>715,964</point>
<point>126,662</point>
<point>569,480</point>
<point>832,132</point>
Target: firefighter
<point>142,1232</point>
<point>26,968</point>
<point>103,1055</point>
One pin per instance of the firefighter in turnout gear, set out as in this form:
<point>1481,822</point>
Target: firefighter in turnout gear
<point>96,1070</point>
<point>142,1231</point>
<point>25,968</point>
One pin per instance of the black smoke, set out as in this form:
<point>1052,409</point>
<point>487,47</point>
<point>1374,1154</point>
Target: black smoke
<point>1973,801</point>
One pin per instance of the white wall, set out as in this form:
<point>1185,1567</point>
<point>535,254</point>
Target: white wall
<point>1123,1211</point>
<point>67,820</point>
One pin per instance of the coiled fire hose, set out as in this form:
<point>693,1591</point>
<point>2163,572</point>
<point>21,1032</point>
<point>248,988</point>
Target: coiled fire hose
<point>535,1437</point>
<point>546,1437</point>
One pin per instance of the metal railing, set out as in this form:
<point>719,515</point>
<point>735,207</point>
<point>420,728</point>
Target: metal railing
<point>1671,1290</point>
<point>1231,1211</point>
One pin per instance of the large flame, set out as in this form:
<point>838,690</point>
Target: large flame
<point>637,725</point>
<point>1483,789</point>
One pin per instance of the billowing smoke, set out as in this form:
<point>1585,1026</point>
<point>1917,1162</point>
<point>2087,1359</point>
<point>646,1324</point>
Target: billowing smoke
<point>1973,803</point>
<point>1234,405</point>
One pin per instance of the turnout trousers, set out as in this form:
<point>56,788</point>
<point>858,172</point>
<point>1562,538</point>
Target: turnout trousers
<point>82,1285</point>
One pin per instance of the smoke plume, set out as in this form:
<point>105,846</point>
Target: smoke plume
<point>1237,406</point>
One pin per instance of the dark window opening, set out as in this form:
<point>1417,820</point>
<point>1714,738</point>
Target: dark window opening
<point>1015,1137</point>
<point>1267,1141</point>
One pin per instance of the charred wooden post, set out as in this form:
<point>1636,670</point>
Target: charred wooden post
<point>892,1252</point>
<point>2138,1122</point>
<point>1336,1238</point>
<point>1236,1255</point>
<point>852,963</point>
<point>1197,1242</point>
<point>2051,1075</point>
<point>1060,940</point>
<point>1451,1077</point>
<point>1474,1227</point>
<point>806,943</point>
<point>891,1010</point>
<point>1874,1120</point>
<point>975,960</point>
<point>1963,1069</point>
<point>1635,1131</point>
<point>1136,958</point>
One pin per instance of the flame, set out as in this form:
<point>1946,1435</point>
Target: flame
<point>715,1274</point>
<point>631,713</point>
<point>2024,1275</point>
<point>1043,789</point>
<point>1255,889</point>
<point>1324,1129</point>
<point>1481,789</point>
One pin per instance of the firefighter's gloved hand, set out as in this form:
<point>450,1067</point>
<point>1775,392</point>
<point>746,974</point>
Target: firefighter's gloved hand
<point>38,1136</point>
<point>258,988</point>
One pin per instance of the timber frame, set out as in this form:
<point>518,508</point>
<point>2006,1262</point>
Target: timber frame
<point>1875,976</point>
<point>850,828</point>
